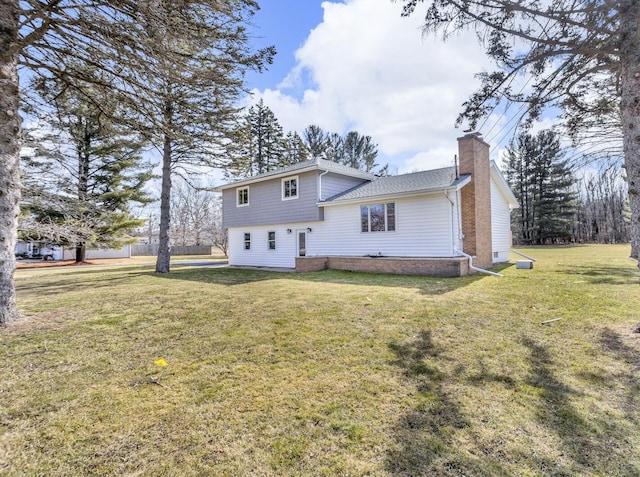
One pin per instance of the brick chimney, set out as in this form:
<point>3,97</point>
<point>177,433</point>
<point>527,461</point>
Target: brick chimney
<point>476,199</point>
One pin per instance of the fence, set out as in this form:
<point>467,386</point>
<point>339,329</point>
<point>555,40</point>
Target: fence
<point>152,249</point>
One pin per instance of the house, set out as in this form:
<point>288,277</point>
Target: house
<point>318,214</point>
<point>47,251</point>
<point>38,249</point>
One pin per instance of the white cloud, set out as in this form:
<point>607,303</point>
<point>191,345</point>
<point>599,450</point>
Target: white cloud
<point>366,68</point>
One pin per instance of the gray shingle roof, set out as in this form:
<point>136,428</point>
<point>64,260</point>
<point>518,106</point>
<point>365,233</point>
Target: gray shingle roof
<point>405,184</point>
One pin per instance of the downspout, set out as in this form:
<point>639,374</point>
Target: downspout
<point>453,225</point>
<point>456,225</point>
<point>472,267</point>
<point>320,185</point>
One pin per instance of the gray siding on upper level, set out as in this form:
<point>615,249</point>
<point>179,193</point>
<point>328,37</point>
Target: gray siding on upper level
<point>267,207</point>
<point>333,184</point>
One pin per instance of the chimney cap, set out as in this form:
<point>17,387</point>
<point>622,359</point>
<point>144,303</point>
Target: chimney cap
<point>474,136</point>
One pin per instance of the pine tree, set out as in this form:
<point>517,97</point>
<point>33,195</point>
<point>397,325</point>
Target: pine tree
<point>315,139</point>
<point>197,55</point>
<point>93,170</point>
<point>295,150</point>
<point>334,148</point>
<point>267,138</point>
<point>179,65</point>
<point>258,145</point>
<point>359,152</point>
<point>542,181</point>
<point>353,149</point>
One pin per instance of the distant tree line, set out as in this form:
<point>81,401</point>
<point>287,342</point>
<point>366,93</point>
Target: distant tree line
<point>555,205</point>
<point>260,145</point>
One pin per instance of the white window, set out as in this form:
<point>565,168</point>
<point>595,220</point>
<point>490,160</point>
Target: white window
<point>271,240</point>
<point>242,196</point>
<point>378,217</point>
<point>247,241</point>
<point>290,188</point>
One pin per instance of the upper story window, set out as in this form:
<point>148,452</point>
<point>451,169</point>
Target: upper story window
<point>242,196</point>
<point>290,188</point>
<point>378,217</point>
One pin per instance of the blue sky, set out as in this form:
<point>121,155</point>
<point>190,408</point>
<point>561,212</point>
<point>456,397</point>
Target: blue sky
<point>285,24</point>
<point>358,65</point>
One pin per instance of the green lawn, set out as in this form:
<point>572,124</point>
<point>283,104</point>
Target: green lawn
<point>326,373</point>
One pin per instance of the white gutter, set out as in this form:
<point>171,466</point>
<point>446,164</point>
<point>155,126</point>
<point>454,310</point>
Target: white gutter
<point>472,267</point>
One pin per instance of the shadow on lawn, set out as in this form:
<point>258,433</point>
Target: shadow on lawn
<point>613,345</point>
<point>600,275</point>
<point>69,279</point>
<point>590,446</point>
<point>425,435</point>
<point>591,442</point>
<point>76,280</point>
<point>232,277</point>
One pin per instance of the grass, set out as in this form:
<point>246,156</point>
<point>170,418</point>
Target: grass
<point>142,259</point>
<point>327,373</point>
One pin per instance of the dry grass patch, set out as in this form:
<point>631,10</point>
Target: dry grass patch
<point>326,373</point>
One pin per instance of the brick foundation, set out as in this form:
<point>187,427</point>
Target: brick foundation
<point>311,264</point>
<point>436,267</point>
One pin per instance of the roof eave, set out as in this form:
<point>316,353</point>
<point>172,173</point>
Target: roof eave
<point>312,167</point>
<point>502,184</point>
<point>398,195</point>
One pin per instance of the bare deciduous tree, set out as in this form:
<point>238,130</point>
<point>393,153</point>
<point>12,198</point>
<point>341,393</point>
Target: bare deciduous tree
<point>195,214</point>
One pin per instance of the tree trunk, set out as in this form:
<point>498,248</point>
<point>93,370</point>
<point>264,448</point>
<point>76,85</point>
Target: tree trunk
<point>630,110</point>
<point>10,139</point>
<point>164,255</point>
<point>81,252</point>
<point>84,158</point>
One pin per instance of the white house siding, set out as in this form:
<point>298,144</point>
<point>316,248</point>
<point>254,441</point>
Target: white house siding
<point>94,253</point>
<point>259,254</point>
<point>22,247</point>
<point>424,228</point>
<point>500,225</point>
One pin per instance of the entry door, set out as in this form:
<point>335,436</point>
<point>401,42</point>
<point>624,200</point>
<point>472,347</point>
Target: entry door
<point>302,243</point>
